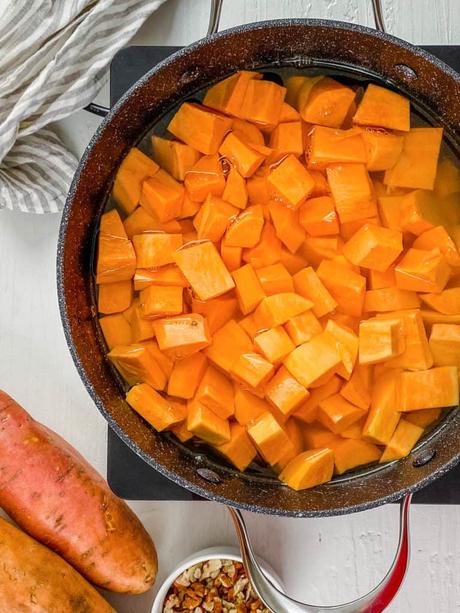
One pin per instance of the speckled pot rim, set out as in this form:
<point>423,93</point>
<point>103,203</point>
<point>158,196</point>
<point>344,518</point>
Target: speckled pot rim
<point>202,491</point>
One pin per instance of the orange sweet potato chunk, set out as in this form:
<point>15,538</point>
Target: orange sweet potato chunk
<point>227,95</point>
<point>337,414</point>
<point>182,335</point>
<point>286,138</point>
<point>374,247</point>
<point>205,178</point>
<point>331,146</point>
<point>162,196</point>
<point>346,287</point>
<point>419,212</point>
<point>424,417</point>
<point>383,108</point>
<point>173,156</point>
<point>291,181</point>
<point>402,442</point>
<point>319,217</point>
<point>384,415</point>
<point>444,344</point>
<point>380,340</point>
<point>351,453</point>
<point>352,190</point>
<point>422,271</point>
<point>116,330</point>
<point>248,288</point>
<point>278,309</point>
<point>154,408</point>
<point>267,251</point>
<point>137,364</point>
<point>241,155</point>
<point>417,354</point>
<point>186,375</point>
<point>313,359</point>
<point>114,297</point>
<point>239,451</point>
<point>285,393</point>
<point>231,256</point>
<point>252,369</point>
<point>141,221</point>
<point>246,229</point>
<point>348,344</point>
<point>389,299</point>
<point>161,300</point>
<point>303,327</point>
<point>383,149</point>
<point>204,269</point>
<point>235,191</point>
<point>165,275</point>
<point>417,165</point>
<point>215,391</point>
<point>262,102</point>
<point>248,406</point>
<point>199,127</point>
<point>134,169</point>
<point>446,302</point>
<point>356,389</point>
<point>156,248</point>
<point>215,216</point>
<point>309,469</point>
<point>116,259</point>
<point>275,279</point>
<point>217,311</point>
<point>274,344</point>
<point>227,344</point>
<point>287,226</point>
<point>204,423</point>
<point>439,238</point>
<point>327,102</point>
<point>269,437</point>
<point>429,389</point>
<point>309,285</point>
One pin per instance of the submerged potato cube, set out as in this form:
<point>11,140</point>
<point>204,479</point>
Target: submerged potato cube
<point>137,364</point>
<point>116,258</point>
<point>215,391</point>
<point>239,450</point>
<point>338,414</point>
<point>402,442</point>
<point>154,408</point>
<point>285,393</point>
<point>354,452</point>
<point>159,301</point>
<point>309,469</point>
<point>270,438</point>
<point>205,424</point>
<point>204,269</point>
<point>429,389</point>
<point>380,340</point>
<point>154,249</point>
<point>311,360</point>
<point>182,335</point>
<point>252,369</point>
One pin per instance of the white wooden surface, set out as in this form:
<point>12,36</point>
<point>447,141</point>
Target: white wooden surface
<point>322,561</point>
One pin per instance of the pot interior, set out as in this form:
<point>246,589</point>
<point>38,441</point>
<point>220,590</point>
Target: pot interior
<point>145,110</point>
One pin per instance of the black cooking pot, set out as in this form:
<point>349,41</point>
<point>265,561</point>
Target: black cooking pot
<point>286,43</point>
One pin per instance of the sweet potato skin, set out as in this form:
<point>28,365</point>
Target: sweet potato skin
<point>33,579</point>
<point>52,492</point>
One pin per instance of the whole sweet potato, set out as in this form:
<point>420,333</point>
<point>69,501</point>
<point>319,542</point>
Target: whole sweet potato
<point>52,492</point>
<point>33,579</point>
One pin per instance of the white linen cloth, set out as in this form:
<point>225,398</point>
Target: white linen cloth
<point>54,57</point>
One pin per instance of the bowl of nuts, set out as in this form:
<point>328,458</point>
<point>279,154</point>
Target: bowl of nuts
<point>212,580</point>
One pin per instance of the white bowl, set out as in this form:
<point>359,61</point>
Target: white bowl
<point>211,553</point>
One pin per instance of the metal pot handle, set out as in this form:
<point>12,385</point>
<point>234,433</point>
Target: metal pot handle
<point>213,27</point>
<point>374,602</point>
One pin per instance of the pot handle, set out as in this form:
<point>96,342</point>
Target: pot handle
<point>374,602</point>
<point>213,27</point>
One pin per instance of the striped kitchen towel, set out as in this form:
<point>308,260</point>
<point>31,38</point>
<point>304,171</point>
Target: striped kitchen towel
<point>54,58</point>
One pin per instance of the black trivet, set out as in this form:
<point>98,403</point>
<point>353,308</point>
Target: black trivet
<point>129,476</point>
